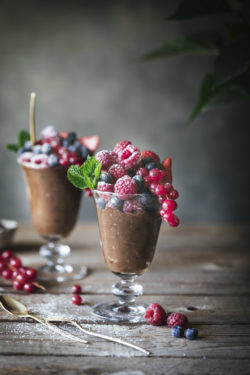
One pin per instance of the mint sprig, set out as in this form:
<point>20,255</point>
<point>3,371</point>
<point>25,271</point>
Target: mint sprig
<point>87,175</point>
<point>23,136</point>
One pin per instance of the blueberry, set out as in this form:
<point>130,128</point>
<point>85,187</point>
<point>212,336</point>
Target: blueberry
<point>65,142</point>
<point>71,148</point>
<point>71,137</point>
<point>27,146</point>
<point>37,149</point>
<point>21,151</point>
<point>140,183</point>
<point>191,333</point>
<point>159,166</point>
<point>150,202</point>
<point>150,165</point>
<point>53,160</point>
<point>177,331</point>
<point>117,202</point>
<point>106,177</point>
<point>84,152</point>
<point>147,160</point>
<point>101,203</point>
<point>46,149</point>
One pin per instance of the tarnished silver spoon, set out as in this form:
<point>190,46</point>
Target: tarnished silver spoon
<point>16,308</point>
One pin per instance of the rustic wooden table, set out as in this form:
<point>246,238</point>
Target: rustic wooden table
<point>201,271</point>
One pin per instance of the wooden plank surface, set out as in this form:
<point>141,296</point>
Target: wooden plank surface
<point>199,270</point>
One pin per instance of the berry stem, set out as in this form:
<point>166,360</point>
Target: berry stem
<point>32,118</point>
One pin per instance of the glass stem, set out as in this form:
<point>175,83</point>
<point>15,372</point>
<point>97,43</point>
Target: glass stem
<point>127,290</point>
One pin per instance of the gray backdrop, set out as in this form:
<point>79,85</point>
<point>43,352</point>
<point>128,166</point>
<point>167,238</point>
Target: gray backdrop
<point>80,58</point>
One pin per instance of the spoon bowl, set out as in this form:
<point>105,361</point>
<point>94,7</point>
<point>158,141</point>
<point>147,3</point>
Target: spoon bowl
<point>13,306</point>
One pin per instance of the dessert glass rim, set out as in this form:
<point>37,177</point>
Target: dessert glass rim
<point>123,195</point>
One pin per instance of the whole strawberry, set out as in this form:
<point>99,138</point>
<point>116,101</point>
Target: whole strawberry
<point>177,319</point>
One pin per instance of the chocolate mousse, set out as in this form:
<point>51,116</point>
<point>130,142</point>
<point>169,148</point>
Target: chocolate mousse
<point>128,239</point>
<point>54,201</point>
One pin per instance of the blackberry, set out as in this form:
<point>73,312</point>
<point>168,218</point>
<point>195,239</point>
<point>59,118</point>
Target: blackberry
<point>177,331</point>
<point>106,177</point>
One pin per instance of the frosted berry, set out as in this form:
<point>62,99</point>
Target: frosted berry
<point>173,194</point>
<point>103,186</point>
<point>160,190</point>
<point>117,171</point>
<point>191,333</point>
<point>155,175</point>
<point>125,187</point>
<point>142,172</point>
<point>107,158</point>
<point>7,274</point>
<point>155,315</point>
<point>177,319</point>
<point>29,288</point>
<point>177,331</point>
<point>129,157</point>
<point>7,254</point>
<point>121,146</point>
<point>133,206</point>
<point>150,154</point>
<point>76,289</point>
<point>169,205</point>
<point>76,299</point>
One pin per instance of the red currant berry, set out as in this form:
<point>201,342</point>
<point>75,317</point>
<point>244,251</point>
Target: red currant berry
<point>17,285</point>
<point>3,265</point>
<point>63,162</point>
<point>15,263</point>
<point>7,254</point>
<point>76,299</point>
<point>152,187</point>
<point>76,289</point>
<point>7,274</point>
<point>22,278</point>
<point>155,175</point>
<point>162,212</point>
<point>161,199</point>
<point>22,269</point>
<point>160,190</point>
<point>169,205</point>
<point>174,222</point>
<point>174,194</point>
<point>142,172</point>
<point>31,274</point>
<point>29,288</point>
<point>168,187</point>
<point>14,275</point>
<point>168,216</point>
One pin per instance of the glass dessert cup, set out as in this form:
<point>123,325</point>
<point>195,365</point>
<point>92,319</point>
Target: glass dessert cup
<point>54,204</point>
<point>128,242</point>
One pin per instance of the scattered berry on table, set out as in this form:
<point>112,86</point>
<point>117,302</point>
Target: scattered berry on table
<point>15,263</point>
<point>76,289</point>
<point>7,254</point>
<point>29,288</point>
<point>191,333</point>
<point>155,314</point>
<point>76,299</point>
<point>177,331</point>
<point>125,187</point>
<point>177,319</point>
<point>7,274</point>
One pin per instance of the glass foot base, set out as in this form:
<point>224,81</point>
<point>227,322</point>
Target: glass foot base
<point>116,312</point>
<point>61,272</point>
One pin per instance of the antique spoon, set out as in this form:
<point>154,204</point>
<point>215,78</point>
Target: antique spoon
<point>75,323</point>
<point>16,308</point>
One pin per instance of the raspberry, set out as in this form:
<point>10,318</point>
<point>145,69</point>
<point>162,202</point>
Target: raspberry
<point>117,171</point>
<point>177,319</point>
<point>129,157</point>
<point>132,206</point>
<point>142,172</point>
<point>107,158</point>
<point>125,187</point>
<point>121,146</point>
<point>150,154</point>
<point>155,315</point>
<point>103,186</point>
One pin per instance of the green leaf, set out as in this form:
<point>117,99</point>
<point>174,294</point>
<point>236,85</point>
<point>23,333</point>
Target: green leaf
<point>76,177</point>
<point>12,147</point>
<point>206,42</point>
<point>87,175</point>
<point>197,8</point>
<point>233,60</point>
<point>23,136</point>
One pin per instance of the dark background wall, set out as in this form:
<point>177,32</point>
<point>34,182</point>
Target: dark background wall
<point>80,58</point>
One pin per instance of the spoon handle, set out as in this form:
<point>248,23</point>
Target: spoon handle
<point>100,335</point>
<point>57,330</point>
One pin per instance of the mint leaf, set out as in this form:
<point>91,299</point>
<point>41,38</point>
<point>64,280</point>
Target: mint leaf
<point>76,177</point>
<point>12,147</point>
<point>23,136</point>
<point>87,175</point>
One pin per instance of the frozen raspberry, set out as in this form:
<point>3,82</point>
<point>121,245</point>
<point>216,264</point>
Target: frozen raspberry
<point>150,154</point>
<point>125,187</point>
<point>107,158</point>
<point>103,186</point>
<point>132,206</point>
<point>129,157</point>
<point>155,315</point>
<point>142,172</point>
<point>177,319</point>
<point>117,171</point>
<point>120,147</point>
